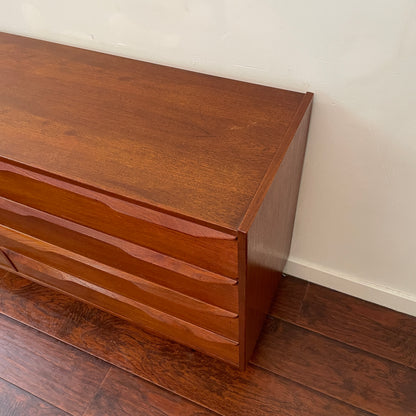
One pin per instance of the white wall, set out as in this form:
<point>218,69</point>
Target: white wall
<point>356,221</point>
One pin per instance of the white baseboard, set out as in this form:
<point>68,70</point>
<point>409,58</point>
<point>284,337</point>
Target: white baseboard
<point>353,286</point>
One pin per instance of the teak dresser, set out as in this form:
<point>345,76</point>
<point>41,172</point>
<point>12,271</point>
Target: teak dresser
<point>163,196</point>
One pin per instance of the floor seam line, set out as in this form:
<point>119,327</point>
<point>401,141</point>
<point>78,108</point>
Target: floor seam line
<point>36,396</point>
<point>312,389</point>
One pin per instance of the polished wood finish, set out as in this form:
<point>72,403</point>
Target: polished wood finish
<point>163,196</point>
<point>38,259</point>
<point>269,234</point>
<point>64,377</point>
<point>203,142</point>
<point>211,249</point>
<point>17,402</point>
<point>392,337</point>
<point>289,298</point>
<point>294,371</point>
<point>5,262</point>
<point>363,380</point>
<point>208,382</point>
<point>352,321</point>
<point>125,394</point>
<point>117,256</point>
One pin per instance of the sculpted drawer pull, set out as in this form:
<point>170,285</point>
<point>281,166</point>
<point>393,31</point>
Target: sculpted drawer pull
<point>37,259</point>
<point>5,260</point>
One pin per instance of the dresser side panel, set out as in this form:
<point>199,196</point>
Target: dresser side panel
<point>269,237</point>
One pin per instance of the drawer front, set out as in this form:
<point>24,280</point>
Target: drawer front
<point>124,256</point>
<point>33,257</point>
<point>147,317</point>
<point>178,238</point>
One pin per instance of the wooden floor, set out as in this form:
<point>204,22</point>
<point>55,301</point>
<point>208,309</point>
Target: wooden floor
<point>322,353</point>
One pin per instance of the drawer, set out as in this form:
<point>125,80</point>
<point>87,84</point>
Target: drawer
<point>111,253</point>
<point>197,244</point>
<point>148,318</point>
<point>34,258</point>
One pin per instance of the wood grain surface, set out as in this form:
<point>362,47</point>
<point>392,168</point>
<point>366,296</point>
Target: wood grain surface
<point>5,262</point>
<point>288,301</point>
<point>64,377</point>
<point>164,226</point>
<point>361,379</point>
<point>220,256</point>
<point>36,258</point>
<point>150,265</point>
<point>187,373</point>
<point>177,176</point>
<point>352,321</point>
<point>361,324</point>
<point>165,137</point>
<point>16,402</point>
<point>125,394</point>
<point>269,234</point>
<point>295,370</point>
<point>147,317</point>
<point>114,217</point>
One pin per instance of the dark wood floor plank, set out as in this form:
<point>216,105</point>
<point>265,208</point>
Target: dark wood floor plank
<point>17,402</point>
<point>187,373</point>
<point>289,298</point>
<point>125,394</point>
<point>59,374</point>
<point>349,374</point>
<point>373,328</point>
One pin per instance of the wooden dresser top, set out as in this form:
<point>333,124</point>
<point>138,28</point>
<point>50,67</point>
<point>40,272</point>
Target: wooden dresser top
<point>194,145</point>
